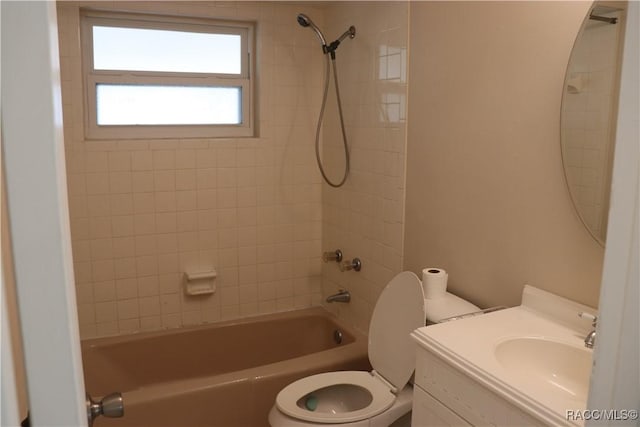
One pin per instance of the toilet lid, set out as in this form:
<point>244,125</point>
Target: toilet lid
<point>399,311</point>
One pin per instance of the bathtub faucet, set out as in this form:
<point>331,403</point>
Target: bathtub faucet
<point>590,339</point>
<point>342,296</point>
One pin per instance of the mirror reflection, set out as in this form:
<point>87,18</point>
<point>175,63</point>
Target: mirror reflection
<point>589,111</point>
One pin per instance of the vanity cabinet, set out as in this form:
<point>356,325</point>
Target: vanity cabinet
<point>444,396</point>
<point>427,411</point>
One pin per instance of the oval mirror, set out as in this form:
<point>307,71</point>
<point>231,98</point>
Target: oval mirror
<point>589,113</point>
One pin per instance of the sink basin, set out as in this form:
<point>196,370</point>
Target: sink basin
<point>554,366</point>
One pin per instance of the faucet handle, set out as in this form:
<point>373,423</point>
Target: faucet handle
<point>588,316</point>
<point>332,256</point>
<point>350,264</point>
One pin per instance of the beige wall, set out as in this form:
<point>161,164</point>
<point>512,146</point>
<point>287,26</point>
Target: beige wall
<point>365,217</point>
<point>144,211</point>
<point>486,197</point>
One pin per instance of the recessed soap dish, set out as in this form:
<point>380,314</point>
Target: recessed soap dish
<point>200,283</point>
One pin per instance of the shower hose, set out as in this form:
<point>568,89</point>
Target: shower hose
<point>320,118</point>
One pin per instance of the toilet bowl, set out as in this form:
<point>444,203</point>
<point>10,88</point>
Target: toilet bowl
<point>393,415</point>
<point>358,398</point>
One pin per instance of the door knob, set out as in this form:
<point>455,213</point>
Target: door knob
<point>112,406</point>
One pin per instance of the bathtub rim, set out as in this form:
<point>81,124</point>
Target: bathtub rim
<point>304,312</point>
<point>162,390</point>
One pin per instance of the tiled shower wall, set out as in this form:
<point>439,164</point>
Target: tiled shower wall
<point>144,211</point>
<point>365,217</point>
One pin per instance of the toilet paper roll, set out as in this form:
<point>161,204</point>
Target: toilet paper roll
<point>434,282</point>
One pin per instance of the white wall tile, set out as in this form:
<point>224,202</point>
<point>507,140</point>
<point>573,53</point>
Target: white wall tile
<point>365,217</point>
<point>143,211</point>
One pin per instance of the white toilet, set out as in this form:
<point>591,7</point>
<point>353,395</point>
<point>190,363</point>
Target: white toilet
<point>358,398</point>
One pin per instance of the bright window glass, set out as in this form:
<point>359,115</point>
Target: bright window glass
<point>153,76</point>
<point>119,104</point>
<point>141,49</point>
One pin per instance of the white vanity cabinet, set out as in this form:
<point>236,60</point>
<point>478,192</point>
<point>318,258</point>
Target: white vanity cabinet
<point>427,411</point>
<point>444,396</point>
<point>521,366</point>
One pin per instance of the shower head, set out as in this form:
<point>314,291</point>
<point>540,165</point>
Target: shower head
<point>305,21</point>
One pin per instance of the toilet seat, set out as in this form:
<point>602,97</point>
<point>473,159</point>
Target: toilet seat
<point>398,311</point>
<point>381,396</point>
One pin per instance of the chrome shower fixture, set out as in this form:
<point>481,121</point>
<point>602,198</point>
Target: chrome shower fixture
<point>332,256</point>
<point>305,21</point>
<point>350,264</point>
<point>330,48</point>
<point>341,296</point>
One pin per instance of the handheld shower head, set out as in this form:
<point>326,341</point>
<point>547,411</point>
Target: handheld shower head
<point>330,48</point>
<point>305,21</point>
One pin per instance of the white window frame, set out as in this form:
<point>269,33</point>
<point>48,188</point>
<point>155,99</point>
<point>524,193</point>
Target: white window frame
<point>92,77</point>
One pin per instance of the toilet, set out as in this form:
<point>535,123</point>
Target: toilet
<point>381,397</point>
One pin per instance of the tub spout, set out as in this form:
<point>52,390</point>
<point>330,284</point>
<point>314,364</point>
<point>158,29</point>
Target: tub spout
<point>590,339</point>
<point>342,296</point>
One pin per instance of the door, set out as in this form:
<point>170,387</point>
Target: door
<point>33,165</point>
<point>614,383</point>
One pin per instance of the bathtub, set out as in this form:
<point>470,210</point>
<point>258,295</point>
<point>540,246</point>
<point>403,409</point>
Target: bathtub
<point>225,374</point>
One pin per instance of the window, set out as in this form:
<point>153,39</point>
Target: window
<point>148,76</point>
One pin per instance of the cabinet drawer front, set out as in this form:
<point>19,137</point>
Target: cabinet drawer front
<point>427,411</point>
<point>465,396</point>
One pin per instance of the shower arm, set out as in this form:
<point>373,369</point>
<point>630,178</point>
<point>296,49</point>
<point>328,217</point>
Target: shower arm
<point>331,48</point>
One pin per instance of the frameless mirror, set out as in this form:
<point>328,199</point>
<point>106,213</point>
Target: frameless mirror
<point>589,113</point>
